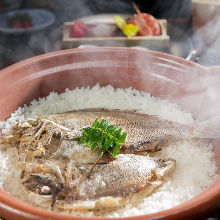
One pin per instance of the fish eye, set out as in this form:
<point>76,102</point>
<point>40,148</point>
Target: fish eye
<point>45,190</point>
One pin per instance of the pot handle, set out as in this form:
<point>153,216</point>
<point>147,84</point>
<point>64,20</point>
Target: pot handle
<point>193,56</point>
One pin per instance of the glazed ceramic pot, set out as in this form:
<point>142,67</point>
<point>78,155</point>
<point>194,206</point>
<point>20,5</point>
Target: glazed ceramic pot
<point>193,87</point>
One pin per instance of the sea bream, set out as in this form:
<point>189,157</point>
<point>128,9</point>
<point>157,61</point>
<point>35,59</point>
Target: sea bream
<point>110,184</point>
<point>145,132</point>
<point>55,167</point>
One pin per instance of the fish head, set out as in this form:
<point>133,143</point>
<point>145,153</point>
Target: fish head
<point>47,179</point>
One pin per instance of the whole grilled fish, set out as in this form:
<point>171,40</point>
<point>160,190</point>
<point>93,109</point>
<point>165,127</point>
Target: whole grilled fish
<point>110,184</point>
<point>55,167</point>
<point>145,132</point>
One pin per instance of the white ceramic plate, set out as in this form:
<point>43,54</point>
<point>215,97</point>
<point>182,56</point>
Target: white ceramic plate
<point>102,18</point>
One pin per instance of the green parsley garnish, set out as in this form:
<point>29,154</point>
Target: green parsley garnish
<point>104,136</point>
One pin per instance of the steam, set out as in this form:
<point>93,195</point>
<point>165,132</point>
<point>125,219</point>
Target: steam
<point>206,39</point>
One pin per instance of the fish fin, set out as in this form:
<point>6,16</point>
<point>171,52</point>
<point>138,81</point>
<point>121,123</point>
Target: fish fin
<point>208,129</point>
<point>103,202</point>
<point>84,110</point>
<point>103,109</point>
<point>126,111</point>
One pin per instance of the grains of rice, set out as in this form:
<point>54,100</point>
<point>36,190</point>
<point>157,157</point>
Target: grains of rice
<point>191,157</point>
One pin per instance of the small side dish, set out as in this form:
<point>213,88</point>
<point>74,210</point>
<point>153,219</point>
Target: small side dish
<point>23,20</point>
<point>140,24</point>
<point>140,29</point>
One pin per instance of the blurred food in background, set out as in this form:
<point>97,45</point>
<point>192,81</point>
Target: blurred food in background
<point>50,39</point>
<point>140,24</point>
<point>101,30</point>
<point>195,19</point>
<point>23,20</point>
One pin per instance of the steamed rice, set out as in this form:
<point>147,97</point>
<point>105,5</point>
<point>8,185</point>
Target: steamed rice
<point>195,169</point>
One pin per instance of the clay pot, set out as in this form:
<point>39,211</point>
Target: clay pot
<point>190,85</point>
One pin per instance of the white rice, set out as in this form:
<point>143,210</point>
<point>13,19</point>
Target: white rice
<point>195,169</point>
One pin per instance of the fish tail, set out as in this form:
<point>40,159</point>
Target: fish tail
<point>209,129</point>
